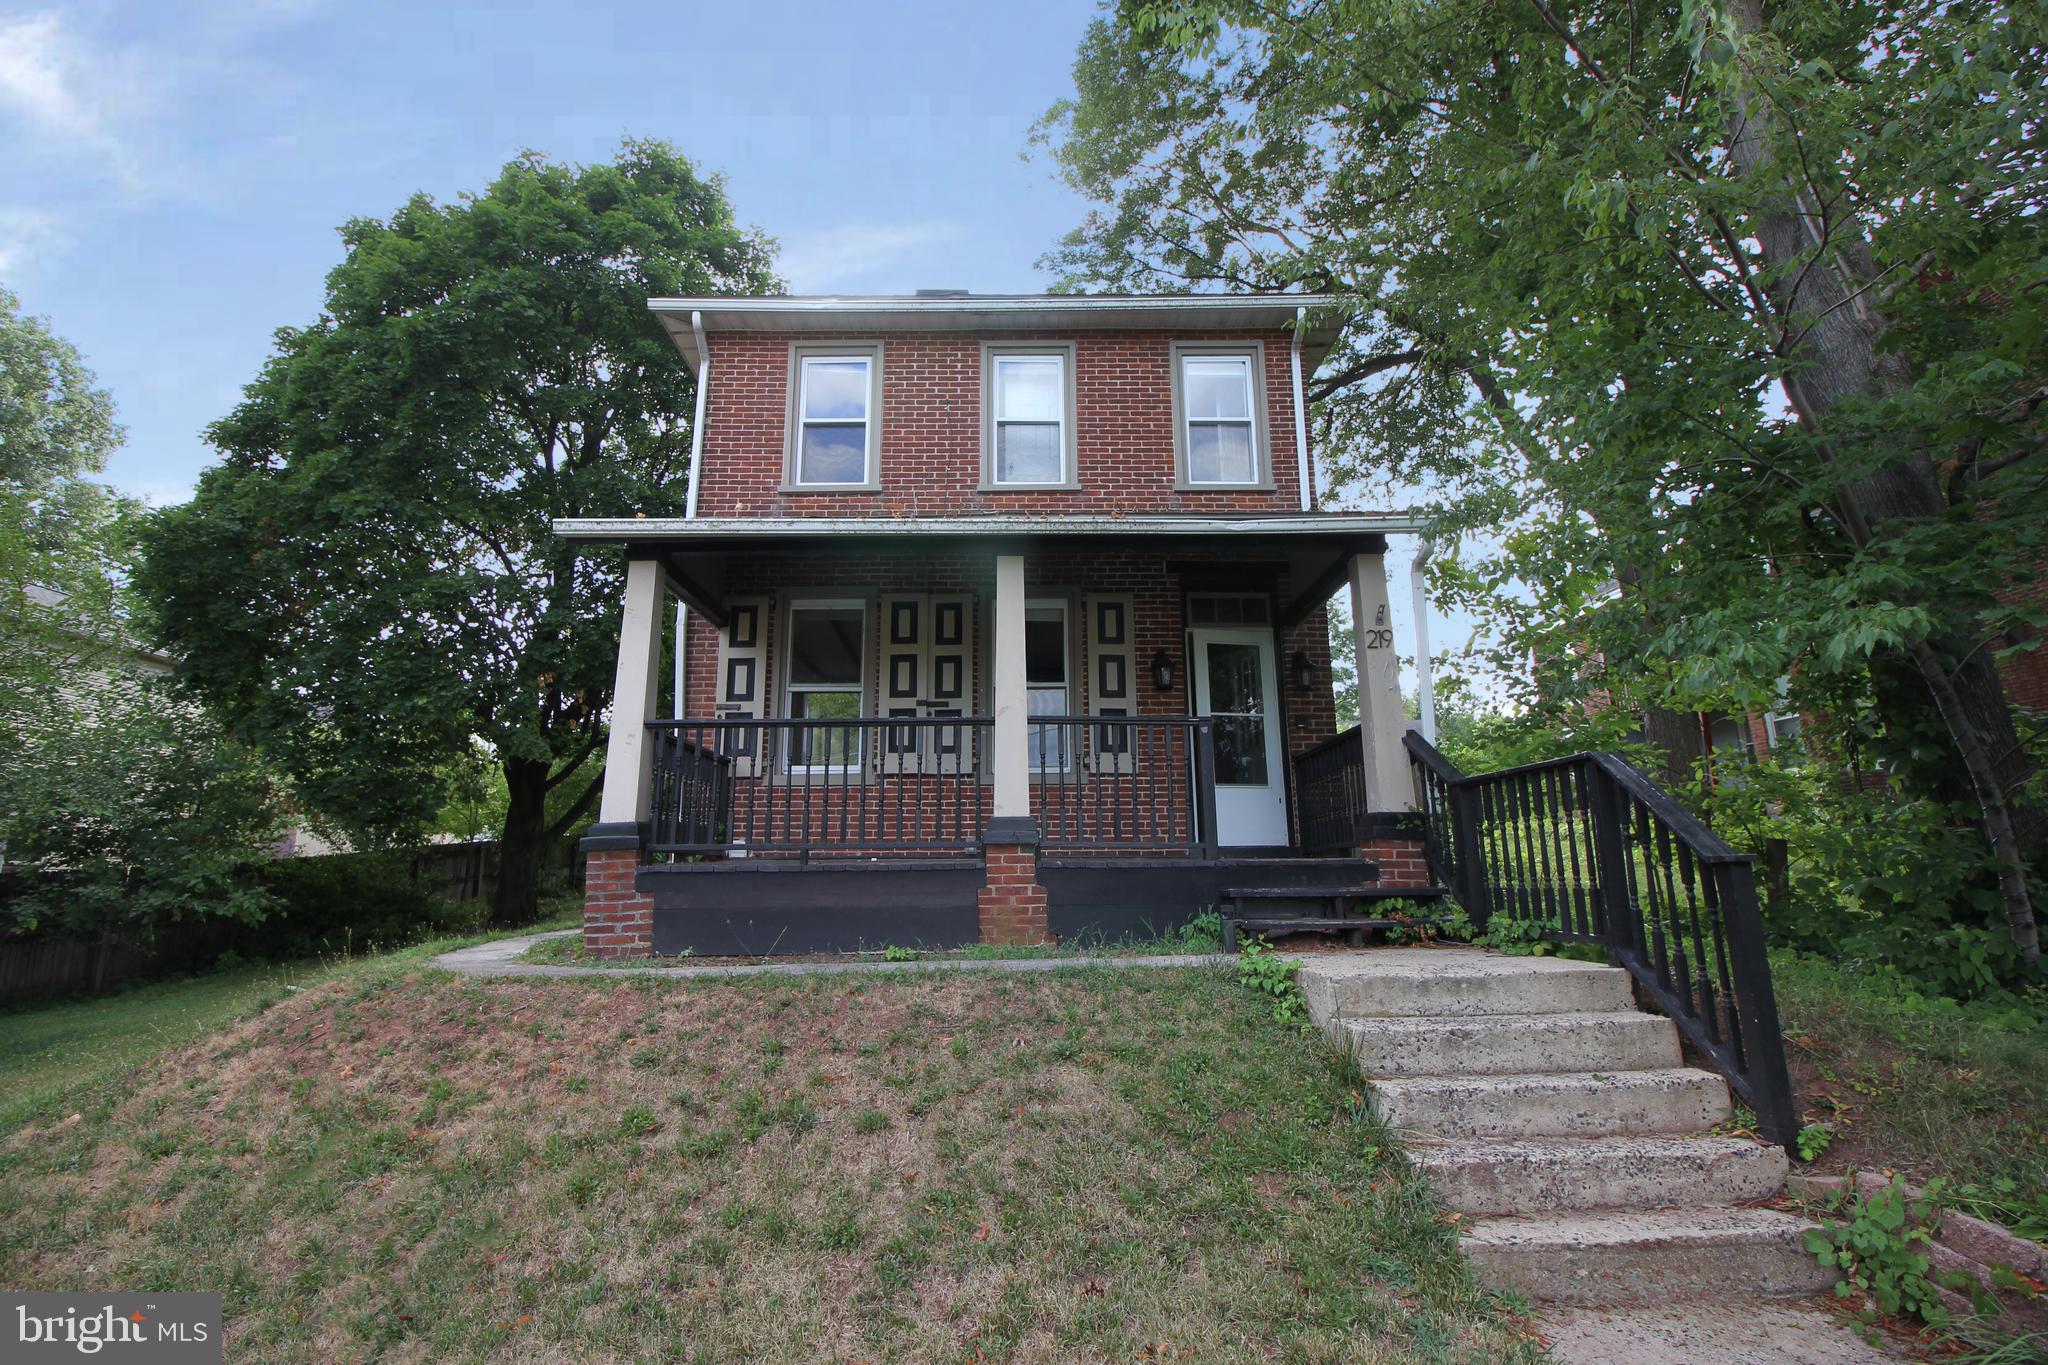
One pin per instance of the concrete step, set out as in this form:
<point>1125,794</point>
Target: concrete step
<point>1668,1100</point>
<point>1457,981</point>
<point>1510,1044</point>
<point>1556,1175</point>
<point>1643,1256</point>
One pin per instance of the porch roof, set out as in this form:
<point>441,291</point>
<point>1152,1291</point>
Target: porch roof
<point>1315,549</point>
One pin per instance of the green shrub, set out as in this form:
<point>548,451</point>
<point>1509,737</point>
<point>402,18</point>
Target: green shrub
<point>349,902</point>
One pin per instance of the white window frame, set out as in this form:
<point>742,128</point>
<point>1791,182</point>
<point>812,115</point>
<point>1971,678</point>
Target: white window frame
<point>789,688</point>
<point>992,353</point>
<point>792,459</point>
<point>1254,355</point>
<point>1065,607</point>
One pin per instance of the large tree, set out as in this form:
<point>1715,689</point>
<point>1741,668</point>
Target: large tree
<point>366,583</point>
<point>1738,305</point>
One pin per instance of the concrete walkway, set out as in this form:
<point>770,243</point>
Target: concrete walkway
<point>500,957</point>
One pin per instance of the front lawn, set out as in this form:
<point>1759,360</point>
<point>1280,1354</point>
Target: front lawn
<point>1088,1164</point>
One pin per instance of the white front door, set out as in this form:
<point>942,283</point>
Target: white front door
<point>1235,684</point>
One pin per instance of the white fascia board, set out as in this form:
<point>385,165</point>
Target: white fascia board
<point>772,528</point>
<point>984,303</point>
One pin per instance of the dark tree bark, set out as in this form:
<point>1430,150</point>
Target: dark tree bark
<point>1824,290</point>
<point>522,844</point>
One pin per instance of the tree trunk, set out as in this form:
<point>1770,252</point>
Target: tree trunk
<point>1834,360</point>
<point>522,844</point>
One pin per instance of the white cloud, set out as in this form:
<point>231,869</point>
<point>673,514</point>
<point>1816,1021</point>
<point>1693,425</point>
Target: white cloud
<point>848,257</point>
<point>27,235</point>
<point>66,94</point>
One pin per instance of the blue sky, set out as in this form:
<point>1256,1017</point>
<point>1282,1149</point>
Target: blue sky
<point>172,173</point>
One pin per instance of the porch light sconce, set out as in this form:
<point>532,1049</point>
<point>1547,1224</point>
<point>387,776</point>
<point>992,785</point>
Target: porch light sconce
<point>1303,671</point>
<point>1162,671</point>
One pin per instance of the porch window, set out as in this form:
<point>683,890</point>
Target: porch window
<point>1045,681</point>
<point>1028,433</point>
<point>826,646</point>
<point>1216,395</point>
<point>833,428</point>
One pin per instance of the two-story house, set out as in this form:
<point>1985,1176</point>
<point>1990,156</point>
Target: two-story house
<point>1001,617</point>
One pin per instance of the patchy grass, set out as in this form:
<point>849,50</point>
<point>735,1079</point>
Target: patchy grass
<point>1919,1084</point>
<point>1070,1166</point>
<point>1194,938</point>
<point>49,1050</point>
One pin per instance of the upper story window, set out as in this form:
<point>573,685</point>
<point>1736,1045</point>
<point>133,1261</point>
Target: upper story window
<point>834,417</point>
<point>1028,416</point>
<point>1218,413</point>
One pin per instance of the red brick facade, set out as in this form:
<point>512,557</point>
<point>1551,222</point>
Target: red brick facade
<point>1401,861</point>
<point>931,431</point>
<point>618,919</point>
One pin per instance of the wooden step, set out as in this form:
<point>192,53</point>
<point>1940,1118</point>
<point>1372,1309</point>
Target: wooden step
<point>1302,893</point>
<point>1279,924</point>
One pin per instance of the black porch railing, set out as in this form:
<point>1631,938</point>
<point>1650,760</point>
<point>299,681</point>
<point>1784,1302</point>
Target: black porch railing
<point>1329,793</point>
<point>864,787</point>
<point>1588,850</point>
<point>1141,784</point>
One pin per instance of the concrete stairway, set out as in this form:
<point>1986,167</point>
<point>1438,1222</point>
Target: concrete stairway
<point>1540,1102</point>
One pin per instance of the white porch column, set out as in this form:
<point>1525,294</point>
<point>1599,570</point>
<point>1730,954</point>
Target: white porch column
<point>1381,719</point>
<point>1010,747</point>
<point>629,760</point>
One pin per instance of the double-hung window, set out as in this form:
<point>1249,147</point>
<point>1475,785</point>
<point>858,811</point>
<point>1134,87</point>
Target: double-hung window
<point>1217,403</point>
<point>827,642</point>
<point>834,427</point>
<point>1028,421</point>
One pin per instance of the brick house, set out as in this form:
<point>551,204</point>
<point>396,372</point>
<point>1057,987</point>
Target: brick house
<point>996,617</point>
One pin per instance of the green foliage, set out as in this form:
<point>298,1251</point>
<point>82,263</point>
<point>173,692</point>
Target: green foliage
<point>1259,969</point>
<point>1878,1251</point>
<point>1813,1139</point>
<point>367,585</point>
<point>1602,305</point>
<point>1875,872</point>
<point>896,952</point>
<point>120,811</point>
<point>350,903</point>
<point>1203,933</point>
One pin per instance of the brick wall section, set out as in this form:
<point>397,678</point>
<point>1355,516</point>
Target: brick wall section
<point>618,920</point>
<point>1401,861</point>
<point>1011,908</point>
<point>931,430</point>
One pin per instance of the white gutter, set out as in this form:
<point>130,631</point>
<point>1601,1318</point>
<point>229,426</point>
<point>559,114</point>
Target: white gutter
<point>1425,686</point>
<point>774,528</point>
<point>697,422</point>
<point>1300,411</point>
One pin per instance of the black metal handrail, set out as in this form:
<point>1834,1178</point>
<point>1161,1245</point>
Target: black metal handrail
<point>1143,784</point>
<point>1330,793</point>
<point>865,786</point>
<point>1589,850</point>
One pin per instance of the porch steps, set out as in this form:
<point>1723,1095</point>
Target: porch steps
<point>1338,900</point>
<point>1560,1119</point>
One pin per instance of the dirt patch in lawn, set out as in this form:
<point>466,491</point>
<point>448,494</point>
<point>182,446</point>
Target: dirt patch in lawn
<point>1073,1166</point>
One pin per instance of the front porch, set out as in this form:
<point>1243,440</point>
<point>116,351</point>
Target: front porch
<point>963,741</point>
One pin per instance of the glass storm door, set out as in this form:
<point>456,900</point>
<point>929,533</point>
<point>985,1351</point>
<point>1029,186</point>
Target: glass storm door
<point>1234,684</point>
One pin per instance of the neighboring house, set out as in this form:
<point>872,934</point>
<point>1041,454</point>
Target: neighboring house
<point>1005,616</point>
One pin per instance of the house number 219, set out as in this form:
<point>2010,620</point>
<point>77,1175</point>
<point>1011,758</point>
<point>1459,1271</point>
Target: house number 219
<point>1378,638</point>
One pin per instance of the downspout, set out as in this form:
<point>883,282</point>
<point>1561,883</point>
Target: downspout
<point>1300,411</point>
<point>690,504</point>
<point>697,422</point>
<point>1425,686</point>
